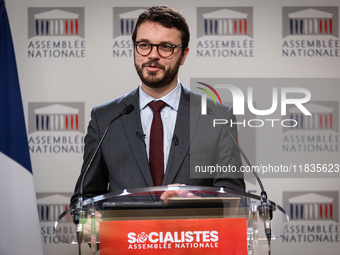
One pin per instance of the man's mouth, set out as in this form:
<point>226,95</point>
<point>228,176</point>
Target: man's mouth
<point>152,66</point>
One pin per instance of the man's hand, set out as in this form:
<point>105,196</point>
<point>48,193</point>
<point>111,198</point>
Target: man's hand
<point>89,224</point>
<point>176,193</point>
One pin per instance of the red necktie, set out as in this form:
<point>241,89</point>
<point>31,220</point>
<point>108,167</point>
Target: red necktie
<point>156,155</point>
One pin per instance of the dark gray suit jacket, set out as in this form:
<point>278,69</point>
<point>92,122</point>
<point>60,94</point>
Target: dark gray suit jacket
<point>122,161</point>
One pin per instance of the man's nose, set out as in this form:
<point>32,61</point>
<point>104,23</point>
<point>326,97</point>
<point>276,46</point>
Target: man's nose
<point>154,53</point>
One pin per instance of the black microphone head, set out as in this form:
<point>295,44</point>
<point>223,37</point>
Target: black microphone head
<point>128,109</point>
<point>210,111</point>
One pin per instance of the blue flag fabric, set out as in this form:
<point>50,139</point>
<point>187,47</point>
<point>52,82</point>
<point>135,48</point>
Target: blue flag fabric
<point>12,123</point>
<point>19,223</point>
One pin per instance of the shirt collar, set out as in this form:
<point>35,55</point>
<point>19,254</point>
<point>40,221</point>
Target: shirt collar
<point>171,99</point>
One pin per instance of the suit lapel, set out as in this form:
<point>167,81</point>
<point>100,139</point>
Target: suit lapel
<point>133,130</point>
<point>187,118</point>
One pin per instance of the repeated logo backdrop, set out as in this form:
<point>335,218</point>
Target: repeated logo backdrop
<point>56,32</point>
<point>73,55</point>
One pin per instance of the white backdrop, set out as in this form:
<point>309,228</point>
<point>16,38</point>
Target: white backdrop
<point>64,74</point>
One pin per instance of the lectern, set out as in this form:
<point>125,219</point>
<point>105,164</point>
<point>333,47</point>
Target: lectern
<point>192,220</point>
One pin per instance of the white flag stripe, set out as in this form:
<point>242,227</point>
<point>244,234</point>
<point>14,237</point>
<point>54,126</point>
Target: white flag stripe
<point>17,195</point>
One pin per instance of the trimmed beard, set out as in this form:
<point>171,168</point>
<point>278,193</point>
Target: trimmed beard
<point>151,80</point>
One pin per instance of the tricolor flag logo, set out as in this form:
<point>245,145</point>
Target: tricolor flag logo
<point>231,21</point>
<point>124,20</point>
<point>52,117</point>
<point>310,21</point>
<point>51,206</point>
<point>312,206</point>
<point>324,117</point>
<point>57,117</point>
<point>128,21</point>
<point>55,22</point>
<point>225,22</point>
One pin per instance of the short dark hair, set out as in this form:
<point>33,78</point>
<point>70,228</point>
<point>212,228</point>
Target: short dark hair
<point>167,17</point>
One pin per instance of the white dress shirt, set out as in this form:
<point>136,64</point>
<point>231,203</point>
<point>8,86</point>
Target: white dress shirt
<point>168,115</point>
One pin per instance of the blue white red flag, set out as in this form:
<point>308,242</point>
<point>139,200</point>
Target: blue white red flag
<point>19,223</point>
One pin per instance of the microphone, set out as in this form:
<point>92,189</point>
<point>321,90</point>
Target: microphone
<point>175,139</point>
<point>140,136</point>
<point>127,110</point>
<point>264,208</point>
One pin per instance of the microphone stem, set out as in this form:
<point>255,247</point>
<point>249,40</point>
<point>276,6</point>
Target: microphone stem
<point>96,151</point>
<point>248,162</point>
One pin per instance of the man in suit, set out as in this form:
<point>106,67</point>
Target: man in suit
<point>125,158</point>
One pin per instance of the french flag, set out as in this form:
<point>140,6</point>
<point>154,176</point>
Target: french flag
<point>19,223</point>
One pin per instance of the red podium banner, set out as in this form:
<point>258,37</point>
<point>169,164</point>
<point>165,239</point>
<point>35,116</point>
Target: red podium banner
<point>184,236</point>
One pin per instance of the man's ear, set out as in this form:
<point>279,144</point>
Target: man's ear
<point>184,56</point>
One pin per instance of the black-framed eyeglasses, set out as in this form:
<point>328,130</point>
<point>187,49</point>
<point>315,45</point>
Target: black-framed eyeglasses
<point>165,50</point>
